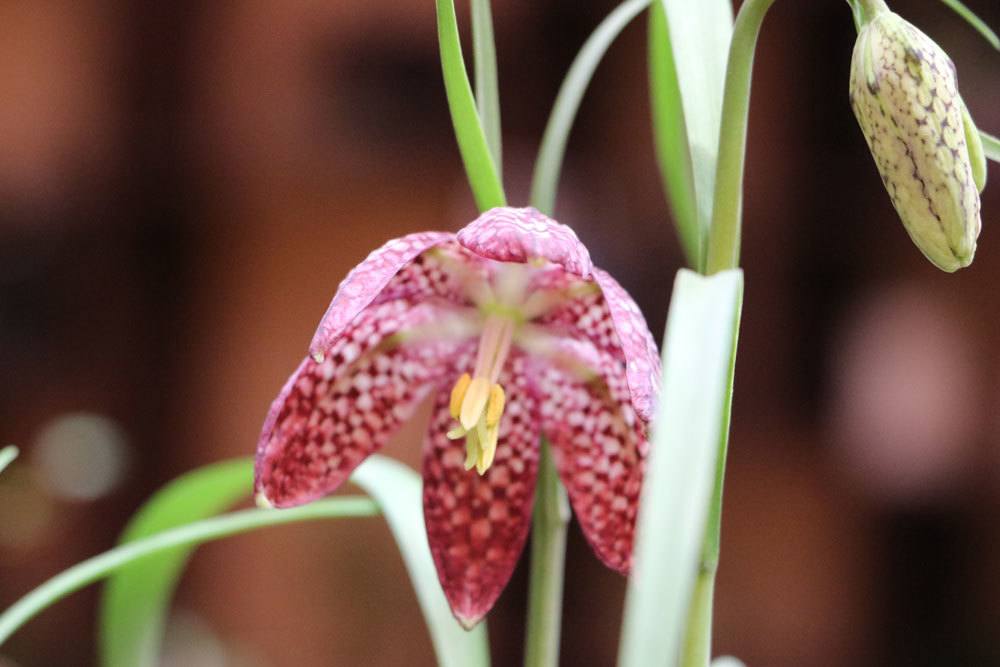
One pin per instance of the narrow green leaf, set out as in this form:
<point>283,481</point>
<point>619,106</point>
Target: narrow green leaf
<point>548,164</point>
<point>484,60</point>
<point>397,490</point>
<point>973,20</point>
<point>7,455</point>
<point>991,146</point>
<point>670,137</point>
<point>135,601</point>
<point>96,568</point>
<point>479,167</point>
<point>699,39</point>
<point>691,429</point>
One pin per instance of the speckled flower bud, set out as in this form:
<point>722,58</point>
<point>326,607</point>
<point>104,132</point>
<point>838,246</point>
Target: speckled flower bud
<point>904,93</point>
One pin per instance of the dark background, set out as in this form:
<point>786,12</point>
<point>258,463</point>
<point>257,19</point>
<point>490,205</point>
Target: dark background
<point>183,185</point>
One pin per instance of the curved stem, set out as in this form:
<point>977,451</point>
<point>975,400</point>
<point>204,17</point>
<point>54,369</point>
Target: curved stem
<point>98,567</point>
<point>723,254</point>
<point>727,208</point>
<point>548,553</point>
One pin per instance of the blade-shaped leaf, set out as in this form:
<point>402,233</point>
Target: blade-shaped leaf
<point>484,60</point>
<point>699,40</point>
<point>97,568</point>
<point>7,455</point>
<point>397,490</point>
<point>690,433</point>
<point>670,137</point>
<point>133,601</point>
<point>973,20</point>
<point>136,599</point>
<point>991,146</point>
<point>548,164</point>
<point>482,173</point>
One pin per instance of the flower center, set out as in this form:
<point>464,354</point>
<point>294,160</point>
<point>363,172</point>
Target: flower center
<point>477,401</point>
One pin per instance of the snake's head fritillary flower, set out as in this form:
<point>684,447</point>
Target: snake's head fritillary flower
<point>904,92</point>
<point>519,337</point>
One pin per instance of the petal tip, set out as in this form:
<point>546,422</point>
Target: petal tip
<point>521,235</point>
<point>468,623</point>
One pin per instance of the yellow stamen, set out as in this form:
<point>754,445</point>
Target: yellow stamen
<point>474,402</point>
<point>487,449</point>
<point>494,408</point>
<point>458,394</point>
<point>471,450</point>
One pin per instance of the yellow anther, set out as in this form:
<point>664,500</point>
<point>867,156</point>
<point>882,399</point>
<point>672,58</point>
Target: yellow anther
<point>471,450</point>
<point>474,402</point>
<point>487,449</point>
<point>494,408</point>
<point>458,394</point>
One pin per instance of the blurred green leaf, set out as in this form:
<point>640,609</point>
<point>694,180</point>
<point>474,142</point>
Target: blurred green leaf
<point>991,146</point>
<point>691,430</point>
<point>7,455</point>
<point>480,169</point>
<point>973,20</point>
<point>670,137</point>
<point>135,601</point>
<point>699,41</point>
<point>137,598</point>
<point>484,60</point>
<point>548,164</point>
<point>99,567</point>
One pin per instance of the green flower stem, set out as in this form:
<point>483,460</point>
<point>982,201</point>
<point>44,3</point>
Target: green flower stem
<point>727,208</point>
<point>548,553</point>
<point>871,8</point>
<point>98,567</point>
<point>723,254</point>
<point>484,64</point>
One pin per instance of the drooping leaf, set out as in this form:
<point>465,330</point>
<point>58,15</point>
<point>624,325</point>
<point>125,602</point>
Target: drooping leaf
<point>150,564</point>
<point>484,178</point>
<point>688,449</point>
<point>94,569</point>
<point>136,600</point>
<point>991,146</point>
<point>548,164</point>
<point>980,25</point>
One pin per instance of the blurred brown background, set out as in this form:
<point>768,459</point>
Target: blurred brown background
<point>183,185</point>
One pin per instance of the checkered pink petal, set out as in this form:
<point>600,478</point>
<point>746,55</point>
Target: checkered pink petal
<point>524,234</point>
<point>332,414</point>
<point>476,525</point>
<point>612,321</point>
<point>369,278</point>
<point>599,445</point>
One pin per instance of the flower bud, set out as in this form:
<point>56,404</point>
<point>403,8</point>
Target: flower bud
<point>904,93</point>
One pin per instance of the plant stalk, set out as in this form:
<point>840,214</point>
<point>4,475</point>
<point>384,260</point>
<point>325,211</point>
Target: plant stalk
<point>724,254</point>
<point>548,553</point>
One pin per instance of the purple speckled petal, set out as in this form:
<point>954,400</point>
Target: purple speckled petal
<point>523,234</point>
<point>599,445</point>
<point>367,280</point>
<point>332,414</point>
<point>610,320</point>
<point>641,355</point>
